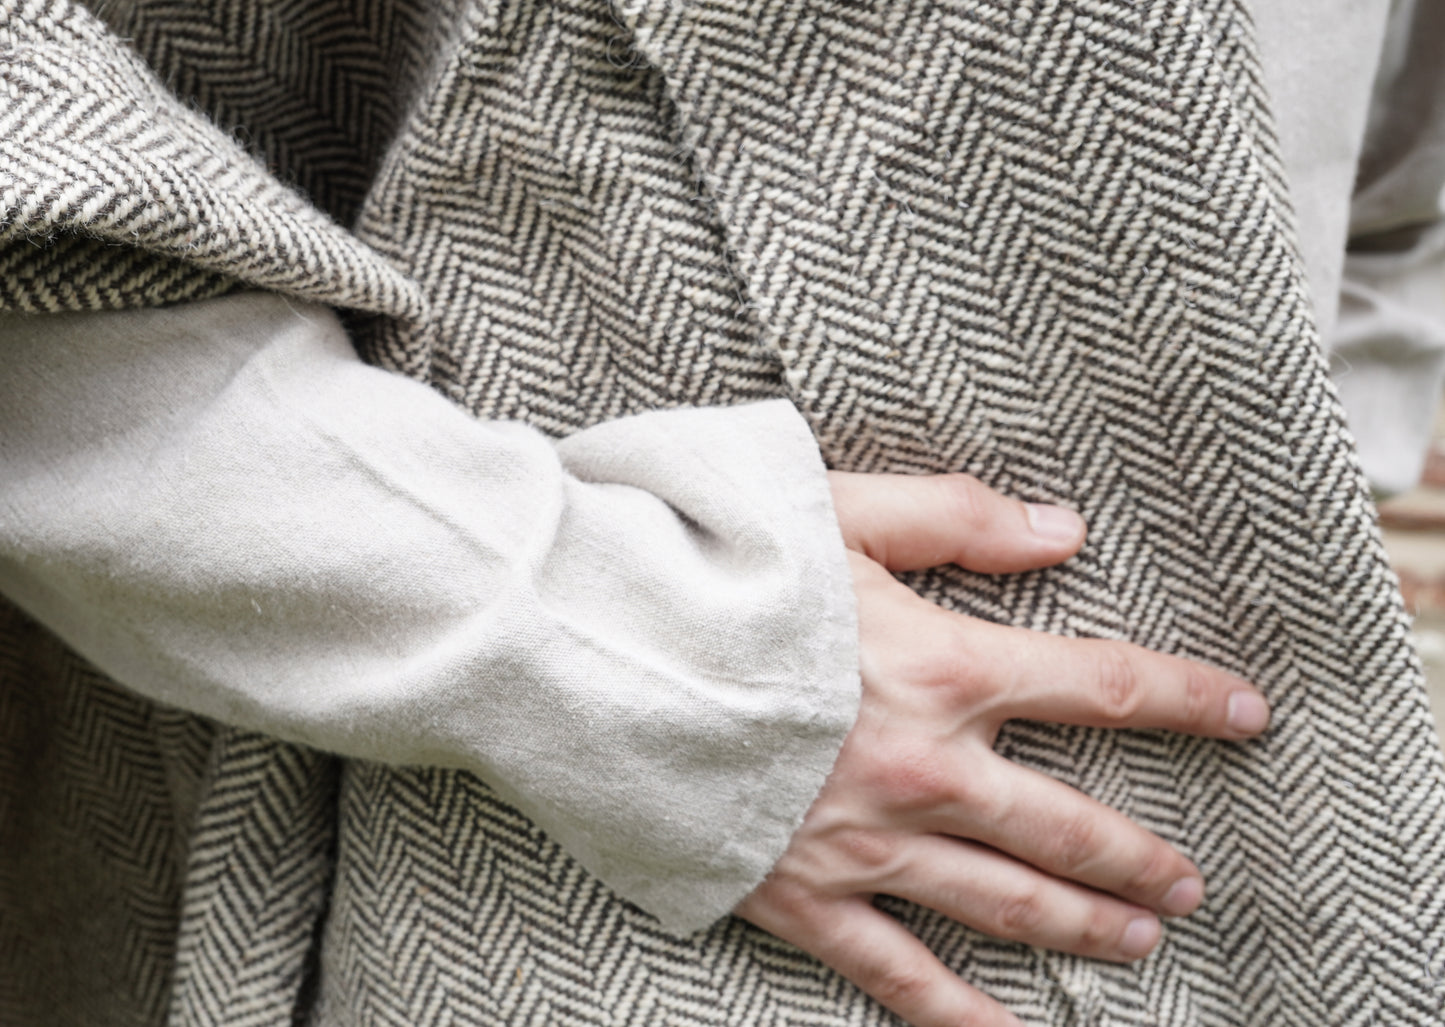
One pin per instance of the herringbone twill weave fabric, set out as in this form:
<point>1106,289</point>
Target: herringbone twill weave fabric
<point>1045,241</point>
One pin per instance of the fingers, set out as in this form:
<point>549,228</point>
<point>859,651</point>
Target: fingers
<point>1066,834</point>
<point>910,522</point>
<point>879,955</point>
<point>1005,898</point>
<point>1103,683</point>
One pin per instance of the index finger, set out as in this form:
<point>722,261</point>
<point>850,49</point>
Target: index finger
<point>1104,683</point>
<point>914,521</point>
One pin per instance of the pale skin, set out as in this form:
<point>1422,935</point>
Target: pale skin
<point>920,806</point>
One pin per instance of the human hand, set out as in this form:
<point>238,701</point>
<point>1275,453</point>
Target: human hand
<point>919,806</point>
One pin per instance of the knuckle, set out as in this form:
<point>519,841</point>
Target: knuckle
<point>915,783</point>
<point>967,500</point>
<point>1120,691</point>
<point>896,985</point>
<point>1020,916</point>
<point>1099,932</point>
<point>944,667</point>
<point>1153,875</point>
<point>872,853</point>
<point>1075,844</point>
<point>964,666</point>
<point>962,671</point>
<point>1198,694</point>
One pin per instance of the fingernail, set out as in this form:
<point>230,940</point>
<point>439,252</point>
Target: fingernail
<point>1139,937</point>
<point>1054,522</point>
<point>1248,713</point>
<point>1183,897</point>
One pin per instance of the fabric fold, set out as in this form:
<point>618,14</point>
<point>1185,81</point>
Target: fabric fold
<point>95,151</point>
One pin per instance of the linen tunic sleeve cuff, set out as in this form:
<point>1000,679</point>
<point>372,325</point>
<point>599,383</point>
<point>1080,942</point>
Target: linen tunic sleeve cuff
<point>763,638</point>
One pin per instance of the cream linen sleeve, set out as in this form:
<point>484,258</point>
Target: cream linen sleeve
<point>643,635</point>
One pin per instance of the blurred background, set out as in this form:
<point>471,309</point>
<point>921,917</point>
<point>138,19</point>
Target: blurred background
<point>1414,528</point>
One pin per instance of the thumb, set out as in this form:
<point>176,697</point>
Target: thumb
<point>909,522</point>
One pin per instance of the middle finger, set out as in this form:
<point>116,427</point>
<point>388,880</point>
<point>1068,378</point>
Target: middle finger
<point>1104,683</point>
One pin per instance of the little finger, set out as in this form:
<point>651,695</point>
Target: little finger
<point>883,958</point>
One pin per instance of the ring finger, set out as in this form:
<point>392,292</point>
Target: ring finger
<point>1064,833</point>
<point>997,895</point>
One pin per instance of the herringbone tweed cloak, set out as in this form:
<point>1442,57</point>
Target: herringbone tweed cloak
<point>1045,241</point>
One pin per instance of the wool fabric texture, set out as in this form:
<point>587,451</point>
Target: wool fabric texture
<point>1045,242</point>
